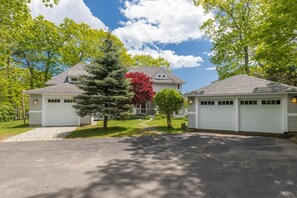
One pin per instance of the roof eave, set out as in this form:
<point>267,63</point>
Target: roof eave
<point>239,94</point>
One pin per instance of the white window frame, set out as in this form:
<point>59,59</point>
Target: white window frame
<point>70,79</point>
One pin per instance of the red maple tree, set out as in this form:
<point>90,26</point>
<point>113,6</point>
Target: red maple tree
<point>141,86</point>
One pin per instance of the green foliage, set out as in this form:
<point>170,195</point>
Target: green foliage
<point>253,37</point>
<point>231,30</point>
<point>106,90</point>
<point>276,37</point>
<point>169,101</point>
<point>7,113</point>
<point>149,61</point>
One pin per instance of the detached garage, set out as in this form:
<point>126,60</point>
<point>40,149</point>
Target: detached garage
<point>53,106</point>
<point>244,103</point>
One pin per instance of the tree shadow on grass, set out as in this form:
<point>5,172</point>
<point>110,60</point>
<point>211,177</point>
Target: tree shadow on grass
<point>96,131</point>
<point>20,126</point>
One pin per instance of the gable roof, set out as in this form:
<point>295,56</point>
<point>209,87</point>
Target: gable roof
<point>79,69</point>
<point>243,85</point>
<point>59,88</point>
<point>152,71</point>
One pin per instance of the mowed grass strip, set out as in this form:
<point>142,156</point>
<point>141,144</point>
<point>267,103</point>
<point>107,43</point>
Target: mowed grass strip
<point>12,128</point>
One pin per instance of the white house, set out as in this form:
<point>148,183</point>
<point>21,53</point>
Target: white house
<point>244,103</point>
<point>52,105</point>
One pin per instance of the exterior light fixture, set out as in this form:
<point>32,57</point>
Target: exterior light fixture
<point>294,99</point>
<point>35,101</point>
<point>190,101</point>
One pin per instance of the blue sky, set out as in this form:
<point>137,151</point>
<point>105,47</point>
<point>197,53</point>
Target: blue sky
<point>165,28</point>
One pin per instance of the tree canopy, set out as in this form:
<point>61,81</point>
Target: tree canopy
<point>32,50</point>
<point>254,37</point>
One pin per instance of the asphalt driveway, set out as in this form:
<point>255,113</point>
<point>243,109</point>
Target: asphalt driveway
<point>162,166</point>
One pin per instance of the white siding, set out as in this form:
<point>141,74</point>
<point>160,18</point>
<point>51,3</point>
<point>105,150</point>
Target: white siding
<point>160,86</point>
<point>191,121</point>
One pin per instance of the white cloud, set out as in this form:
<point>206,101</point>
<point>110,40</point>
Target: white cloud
<point>160,21</point>
<point>210,68</point>
<point>175,60</point>
<point>209,54</point>
<point>154,22</point>
<point>73,9</point>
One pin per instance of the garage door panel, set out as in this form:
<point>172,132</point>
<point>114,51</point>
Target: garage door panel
<point>260,118</point>
<point>217,117</point>
<point>60,113</point>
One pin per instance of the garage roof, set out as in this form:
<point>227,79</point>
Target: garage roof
<point>79,69</point>
<point>59,88</point>
<point>243,84</point>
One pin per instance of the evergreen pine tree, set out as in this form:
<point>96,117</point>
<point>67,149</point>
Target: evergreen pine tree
<point>106,90</point>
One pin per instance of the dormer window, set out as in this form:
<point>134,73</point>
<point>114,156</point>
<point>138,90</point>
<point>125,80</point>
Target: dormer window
<point>161,76</point>
<point>73,79</point>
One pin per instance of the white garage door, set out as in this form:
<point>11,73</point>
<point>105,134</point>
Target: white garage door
<point>263,115</point>
<point>59,112</point>
<point>216,114</point>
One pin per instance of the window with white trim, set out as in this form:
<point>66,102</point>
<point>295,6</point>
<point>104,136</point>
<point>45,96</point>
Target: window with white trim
<point>73,79</point>
<point>53,100</point>
<point>161,76</point>
<point>178,86</point>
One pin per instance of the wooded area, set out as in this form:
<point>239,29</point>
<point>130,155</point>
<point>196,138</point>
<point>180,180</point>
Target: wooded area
<point>32,50</point>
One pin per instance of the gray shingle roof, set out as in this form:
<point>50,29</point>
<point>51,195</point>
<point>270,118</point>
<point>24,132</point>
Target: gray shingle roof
<point>152,71</point>
<point>74,71</point>
<point>243,84</point>
<point>59,88</point>
<point>79,69</point>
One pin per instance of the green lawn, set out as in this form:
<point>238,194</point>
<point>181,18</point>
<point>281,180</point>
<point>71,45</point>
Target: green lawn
<point>118,128</point>
<point>161,125</point>
<point>12,128</point>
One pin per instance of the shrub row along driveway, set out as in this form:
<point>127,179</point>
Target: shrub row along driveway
<point>188,165</point>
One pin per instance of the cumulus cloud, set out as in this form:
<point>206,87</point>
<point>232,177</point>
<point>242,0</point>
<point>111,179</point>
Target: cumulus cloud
<point>76,10</point>
<point>155,22</point>
<point>175,60</point>
<point>160,21</point>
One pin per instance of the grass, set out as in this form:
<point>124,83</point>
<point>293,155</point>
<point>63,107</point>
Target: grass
<point>12,128</point>
<point>161,125</point>
<point>117,128</point>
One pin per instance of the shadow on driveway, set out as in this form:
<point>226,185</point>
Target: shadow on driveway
<point>190,166</point>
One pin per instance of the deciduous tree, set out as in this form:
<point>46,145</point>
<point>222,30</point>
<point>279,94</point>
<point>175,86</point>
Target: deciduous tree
<point>169,101</point>
<point>141,86</point>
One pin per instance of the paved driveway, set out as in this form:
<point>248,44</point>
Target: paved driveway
<point>162,166</point>
<point>42,133</point>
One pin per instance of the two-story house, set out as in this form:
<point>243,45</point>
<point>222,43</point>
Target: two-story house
<point>52,105</point>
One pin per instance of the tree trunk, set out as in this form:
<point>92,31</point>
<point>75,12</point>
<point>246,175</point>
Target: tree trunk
<point>246,60</point>
<point>169,122</point>
<point>105,122</point>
